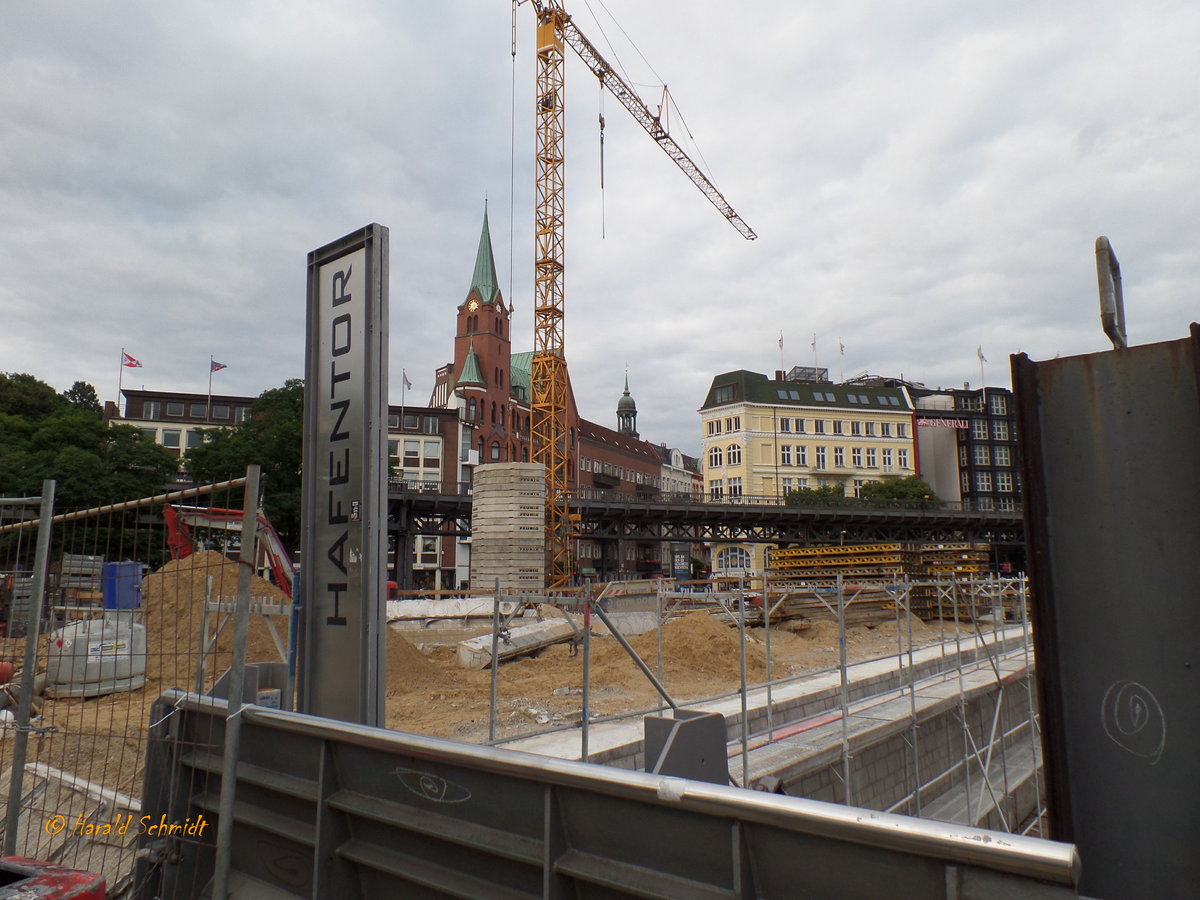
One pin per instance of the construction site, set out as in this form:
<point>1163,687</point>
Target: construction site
<point>192,711</point>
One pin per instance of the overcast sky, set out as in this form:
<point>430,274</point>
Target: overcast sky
<point>926,179</point>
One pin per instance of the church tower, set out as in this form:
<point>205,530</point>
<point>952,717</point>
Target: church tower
<point>627,412</point>
<point>482,359</point>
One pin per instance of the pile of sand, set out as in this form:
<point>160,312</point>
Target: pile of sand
<point>172,609</point>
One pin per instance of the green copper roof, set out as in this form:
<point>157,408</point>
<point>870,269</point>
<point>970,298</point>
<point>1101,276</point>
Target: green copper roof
<point>483,280</point>
<point>626,403</point>
<point>520,368</point>
<point>470,374</point>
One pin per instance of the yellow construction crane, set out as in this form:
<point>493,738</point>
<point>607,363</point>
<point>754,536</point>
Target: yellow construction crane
<point>549,369</point>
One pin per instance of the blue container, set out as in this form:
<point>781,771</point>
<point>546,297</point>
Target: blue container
<point>121,585</point>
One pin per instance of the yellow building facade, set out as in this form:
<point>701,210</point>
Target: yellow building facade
<point>763,438</point>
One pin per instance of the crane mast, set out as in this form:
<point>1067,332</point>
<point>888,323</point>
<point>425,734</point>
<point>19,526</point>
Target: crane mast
<point>548,376</point>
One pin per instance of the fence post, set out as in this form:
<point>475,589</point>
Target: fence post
<point>25,701</point>
<point>237,672</point>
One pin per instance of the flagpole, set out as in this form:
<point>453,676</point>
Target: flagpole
<point>208,414</point>
<point>120,376</point>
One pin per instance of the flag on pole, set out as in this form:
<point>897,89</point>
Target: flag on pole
<point>216,366</point>
<point>979,353</point>
<point>841,347</point>
<point>129,361</point>
<point>407,383</point>
<point>814,343</point>
<point>781,340</point>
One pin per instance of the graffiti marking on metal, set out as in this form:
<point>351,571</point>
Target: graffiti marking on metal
<point>1134,720</point>
<point>432,787</point>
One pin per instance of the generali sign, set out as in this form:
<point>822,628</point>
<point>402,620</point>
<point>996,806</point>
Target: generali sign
<point>943,423</point>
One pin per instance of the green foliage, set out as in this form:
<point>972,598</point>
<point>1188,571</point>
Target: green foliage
<point>830,495</point>
<point>272,438</point>
<point>911,488</point>
<point>45,435</point>
<point>82,396</point>
<point>27,398</point>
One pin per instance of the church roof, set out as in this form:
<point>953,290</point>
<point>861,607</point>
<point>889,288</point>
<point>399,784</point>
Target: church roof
<point>520,370</point>
<point>471,376</point>
<point>483,279</point>
<point>626,403</point>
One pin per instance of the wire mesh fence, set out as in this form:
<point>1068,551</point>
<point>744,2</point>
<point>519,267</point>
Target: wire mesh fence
<point>136,598</point>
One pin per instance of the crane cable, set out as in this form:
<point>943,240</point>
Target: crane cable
<point>602,234</point>
<point>512,155</point>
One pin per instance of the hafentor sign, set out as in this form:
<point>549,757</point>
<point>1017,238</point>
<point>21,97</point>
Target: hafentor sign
<point>344,535</point>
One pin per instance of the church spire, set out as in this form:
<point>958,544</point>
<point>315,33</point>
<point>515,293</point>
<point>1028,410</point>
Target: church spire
<point>627,412</point>
<point>483,280</point>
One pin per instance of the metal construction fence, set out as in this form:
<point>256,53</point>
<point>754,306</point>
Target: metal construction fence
<point>102,612</point>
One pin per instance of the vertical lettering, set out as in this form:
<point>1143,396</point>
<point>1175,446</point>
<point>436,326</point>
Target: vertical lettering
<point>339,286</point>
<point>342,322</point>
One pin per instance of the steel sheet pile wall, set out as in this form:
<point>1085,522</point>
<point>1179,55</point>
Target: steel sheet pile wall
<point>329,809</point>
<point>1112,479</point>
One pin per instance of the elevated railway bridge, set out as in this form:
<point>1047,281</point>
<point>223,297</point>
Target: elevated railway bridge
<point>445,509</point>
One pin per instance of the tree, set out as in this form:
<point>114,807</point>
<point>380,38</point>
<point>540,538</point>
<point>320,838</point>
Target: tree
<point>82,396</point>
<point>27,398</point>
<point>911,488</point>
<point>829,495</point>
<point>273,438</point>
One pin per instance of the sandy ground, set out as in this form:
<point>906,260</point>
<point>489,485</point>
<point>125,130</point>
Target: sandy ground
<point>429,694</point>
<point>102,739</point>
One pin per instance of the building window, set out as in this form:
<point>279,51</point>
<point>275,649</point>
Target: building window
<point>733,424</point>
<point>870,428</point>
<point>885,429</point>
<point>820,458</point>
<point>735,487</point>
<point>979,429</point>
<point>431,455</point>
<point>724,393</point>
<point>1003,456</point>
<point>839,457</point>
<point>858,486</point>
<point>818,426</point>
<point>412,451</point>
<point>962,455</point>
<point>495,451</point>
<point>856,457</point>
<point>999,405</point>
<point>151,409</point>
<point>175,408</point>
<point>856,428</point>
<point>838,426</point>
<point>871,458</point>
<point>716,488</point>
<point>198,411</point>
<point>801,425</point>
<point>785,425</point>
<point>171,437</point>
<point>887,459</point>
<point>902,459</point>
<point>735,455</point>
<point>1000,430</point>
<point>195,438</point>
<point>964,479</point>
<point>901,429</point>
<point>151,433</point>
<point>985,504</point>
<point>787,486</point>
<point>1007,504</point>
<point>733,558</point>
<point>801,455</point>
<point>983,455</point>
<point>1004,482</point>
<point>983,481</point>
<point>714,457</point>
<point>785,455</point>
<point>241,414</point>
